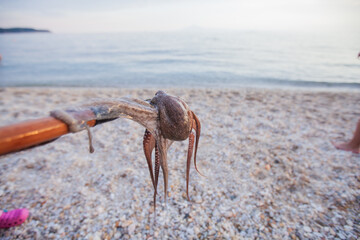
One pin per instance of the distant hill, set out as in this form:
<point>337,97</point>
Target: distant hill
<point>21,30</point>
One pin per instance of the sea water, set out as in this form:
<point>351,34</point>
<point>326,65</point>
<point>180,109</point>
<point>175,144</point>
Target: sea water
<point>180,59</point>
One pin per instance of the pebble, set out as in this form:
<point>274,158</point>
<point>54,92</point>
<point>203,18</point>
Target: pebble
<point>341,236</point>
<point>268,167</point>
<point>97,236</point>
<point>348,228</point>
<point>131,228</point>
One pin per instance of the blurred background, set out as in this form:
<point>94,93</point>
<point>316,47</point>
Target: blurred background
<point>160,43</point>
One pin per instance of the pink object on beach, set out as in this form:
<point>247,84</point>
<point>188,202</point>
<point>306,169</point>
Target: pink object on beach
<point>13,218</point>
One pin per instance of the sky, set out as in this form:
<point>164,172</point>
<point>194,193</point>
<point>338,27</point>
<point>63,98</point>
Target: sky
<point>90,16</point>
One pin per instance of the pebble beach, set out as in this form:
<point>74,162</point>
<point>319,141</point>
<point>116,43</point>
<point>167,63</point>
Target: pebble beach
<point>270,169</point>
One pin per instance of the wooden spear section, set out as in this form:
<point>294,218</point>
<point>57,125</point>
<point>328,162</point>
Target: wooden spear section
<point>31,133</point>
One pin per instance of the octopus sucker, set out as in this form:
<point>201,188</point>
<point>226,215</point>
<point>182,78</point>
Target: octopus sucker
<point>157,170</point>
<point>188,162</point>
<point>149,145</point>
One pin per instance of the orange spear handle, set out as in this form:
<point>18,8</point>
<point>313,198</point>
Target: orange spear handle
<point>30,133</point>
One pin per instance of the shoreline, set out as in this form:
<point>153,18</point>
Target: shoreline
<point>189,88</point>
<point>271,171</point>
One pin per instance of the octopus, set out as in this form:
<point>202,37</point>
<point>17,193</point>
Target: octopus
<point>166,119</point>
<point>176,122</point>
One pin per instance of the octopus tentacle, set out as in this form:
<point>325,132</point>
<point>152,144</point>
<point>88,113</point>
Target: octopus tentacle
<point>149,145</point>
<point>137,110</point>
<point>157,170</point>
<point>197,127</point>
<point>190,151</point>
<point>162,146</point>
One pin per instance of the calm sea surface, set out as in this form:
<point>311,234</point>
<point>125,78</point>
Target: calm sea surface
<point>185,59</point>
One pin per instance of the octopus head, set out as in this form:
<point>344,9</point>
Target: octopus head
<point>174,116</point>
